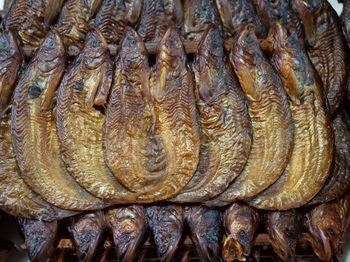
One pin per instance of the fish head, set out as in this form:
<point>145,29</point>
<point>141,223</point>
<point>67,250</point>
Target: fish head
<point>271,10</point>
<point>211,45</point>
<point>8,47</point>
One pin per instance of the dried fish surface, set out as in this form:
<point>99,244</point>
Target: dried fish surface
<point>241,223</point>
<point>157,16</point>
<point>205,231</point>
<point>128,225</point>
<point>326,47</point>
<point>114,16</point>
<point>236,13</point>
<point>270,115</point>
<point>33,130</point>
<point>311,159</point>
<point>345,20</point>
<point>166,224</point>
<point>87,230</point>
<point>52,10</point>
<point>26,18</point>
<point>226,130</point>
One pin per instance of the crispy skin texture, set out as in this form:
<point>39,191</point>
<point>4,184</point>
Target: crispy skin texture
<point>198,16</point>
<point>226,130</point>
<point>114,16</point>
<point>205,231</point>
<point>26,18</point>
<point>39,238</point>
<point>33,130</point>
<point>311,160</point>
<point>152,147</point>
<point>10,62</point>
<point>128,226</point>
<point>339,180</point>
<point>236,13</point>
<point>283,229</point>
<point>79,124</point>
<point>86,231</point>
<point>157,16</point>
<point>241,223</point>
<point>166,224</point>
<point>270,115</point>
<point>326,47</point>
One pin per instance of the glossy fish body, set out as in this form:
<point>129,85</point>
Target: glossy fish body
<point>52,10</point>
<point>311,159</point>
<point>87,231</point>
<point>241,223</point>
<point>270,115</point>
<point>10,62</point>
<point>33,130</point>
<point>166,224</point>
<point>236,13</point>
<point>26,18</point>
<point>128,225</point>
<point>326,47</point>
<point>226,129</point>
<point>114,16</point>
<point>205,231</point>
<point>157,16</point>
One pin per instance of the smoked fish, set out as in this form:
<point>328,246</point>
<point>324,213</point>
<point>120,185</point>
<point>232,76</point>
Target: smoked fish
<point>52,10</point>
<point>311,159</point>
<point>33,130</point>
<point>270,115</point>
<point>128,225</point>
<point>157,16</point>
<point>226,130</point>
<point>345,20</point>
<point>326,47</point>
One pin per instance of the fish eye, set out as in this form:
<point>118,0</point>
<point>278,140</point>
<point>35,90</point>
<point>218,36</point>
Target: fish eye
<point>330,231</point>
<point>171,40</point>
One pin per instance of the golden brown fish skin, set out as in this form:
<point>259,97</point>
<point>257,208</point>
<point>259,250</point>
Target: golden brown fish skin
<point>33,130</point>
<point>39,238</point>
<point>270,115</point>
<point>87,231</point>
<point>205,231</point>
<point>311,159</point>
<point>326,47</point>
<point>26,18</point>
<point>226,130</point>
<point>166,223</point>
<point>52,10</point>
<point>283,229</point>
<point>241,223</point>
<point>157,16</point>
<point>236,13</point>
<point>128,225</point>
<point>114,16</point>
<point>198,16</point>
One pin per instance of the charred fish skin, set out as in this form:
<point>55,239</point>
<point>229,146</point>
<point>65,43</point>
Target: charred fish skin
<point>128,225</point>
<point>241,223</point>
<point>311,160</point>
<point>114,16</point>
<point>226,130</point>
<point>166,224</point>
<point>39,238</point>
<point>157,16</point>
<point>326,47</point>
<point>236,13</point>
<point>205,231</point>
<point>270,115</point>
<point>283,229</point>
<point>79,124</point>
<point>87,231</point>
<point>33,130</point>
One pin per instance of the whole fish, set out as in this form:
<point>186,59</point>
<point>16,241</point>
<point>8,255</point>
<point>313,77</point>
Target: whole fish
<point>226,130</point>
<point>270,114</point>
<point>33,130</point>
<point>311,159</point>
<point>166,224</point>
<point>241,223</point>
<point>128,225</point>
<point>326,47</point>
<point>151,137</point>
<point>157,16</point>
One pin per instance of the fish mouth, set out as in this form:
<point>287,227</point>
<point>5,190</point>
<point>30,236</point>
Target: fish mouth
<point>232,250</point>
